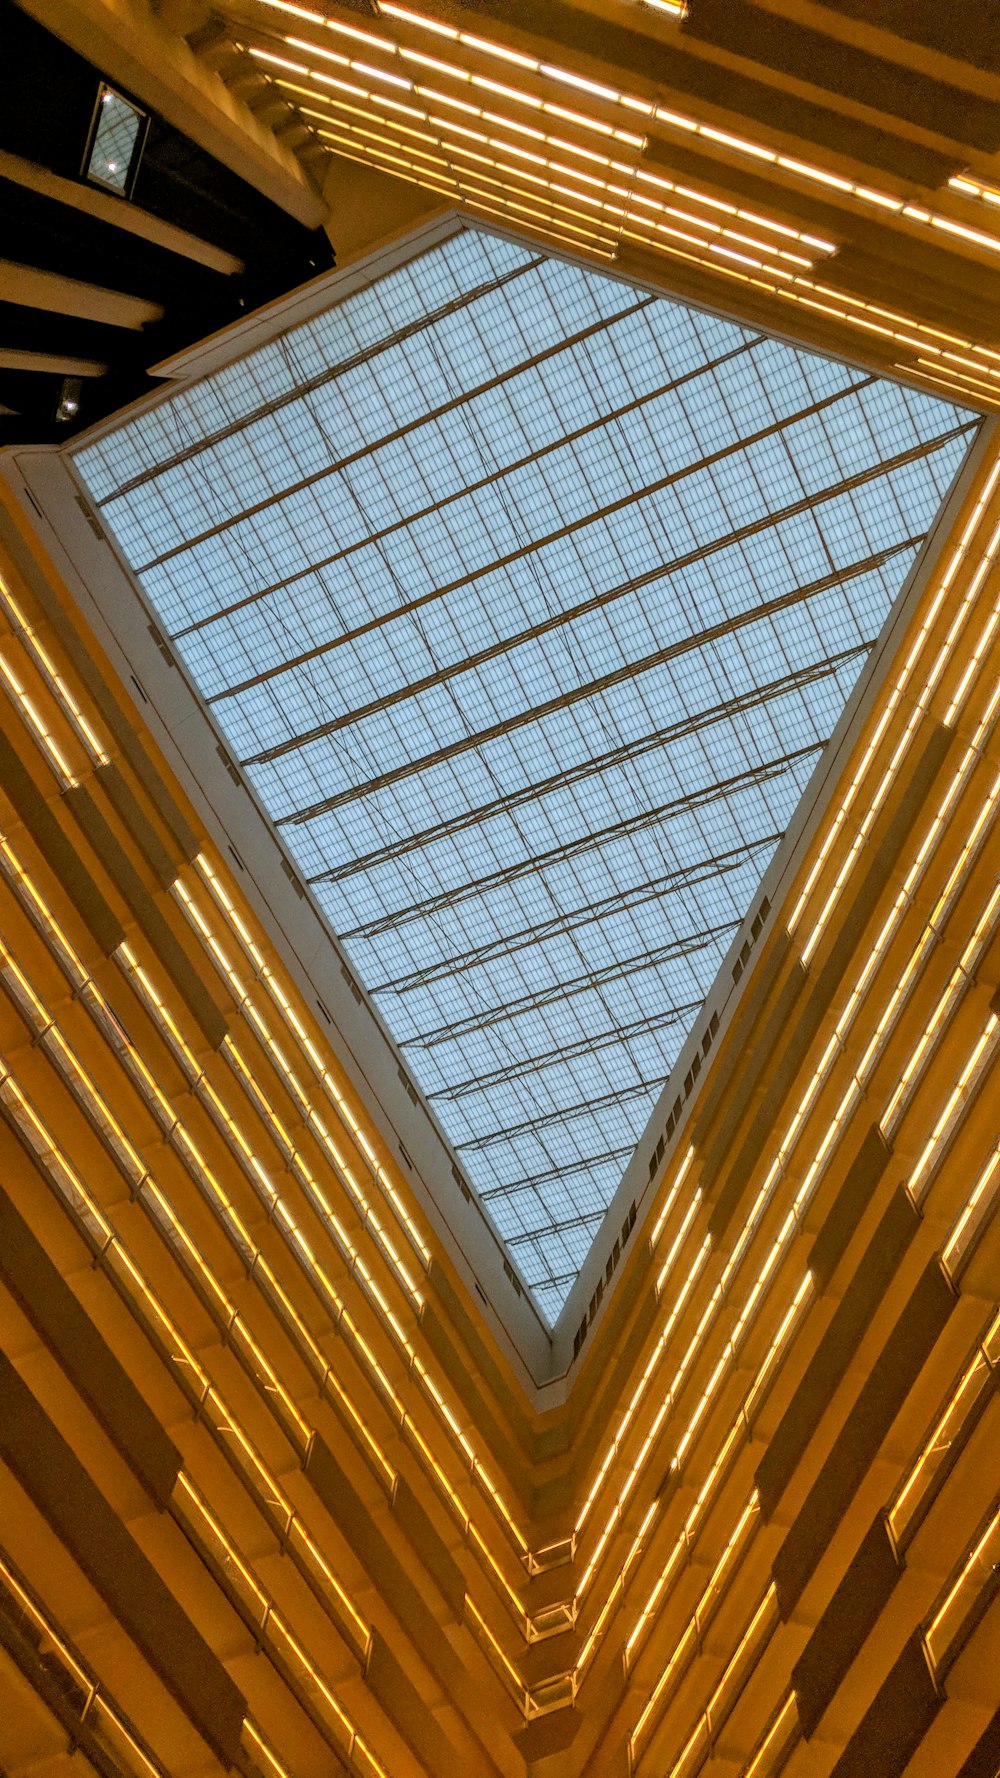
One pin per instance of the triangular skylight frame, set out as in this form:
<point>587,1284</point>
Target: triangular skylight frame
<point>667,1111</point>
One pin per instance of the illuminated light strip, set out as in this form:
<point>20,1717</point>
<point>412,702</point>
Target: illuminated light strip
<point>87,992</point>
<point>501,1661</point>
<point>779,1740</point>
<point>630,196</point>
<point>923,328</point>
<point>634,1473</point>
<point>717,1710</point>
<point>961,979</point>
<point>632,173</point>
<point>854,1091</point>
<point>945,581</point>
<point>345,1321</point>
<point>298,43</point>
<point>97,1703</point>
<point>56,682</point>
<point>23,702</point>
<point>465,191</point>
<point>85,1212</point>
<point>259,1751</point>
<point>653,1360</point>
<point>979,1369</point>
<point>959,359</point>
<point>547,185</point>
<point>950,1431</point>
<point>273,1628</point>
<point>753,216</point>
<point>969,1225</point>
<point>461,179</point>
<point>364,111</point>
<point>673,120</point>
<point>939,378</point>
<point>269,1496</point>
<point>739,1433</point>
<point>989,1536</point>
<point>525,217</point>
<point>704,1611</point>
<point>972,188</point>
<point>406,82</point>
<point>282,998</point>
<point>793,288</point>
<point>615,1595</point>
<point>671,1198</point>
<point>977,1062</point>
<point>875,799</point>
<point>244,1243</point>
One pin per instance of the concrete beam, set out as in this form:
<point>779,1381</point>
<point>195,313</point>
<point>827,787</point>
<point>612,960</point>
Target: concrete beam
<point>35,289</point>
<point>49,363</point>
<point>131,46</point>
<point>104,208</point>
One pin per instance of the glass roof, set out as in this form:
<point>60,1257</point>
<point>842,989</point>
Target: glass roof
<point>527,602</point>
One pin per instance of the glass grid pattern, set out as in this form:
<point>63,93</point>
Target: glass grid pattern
<point>528,602</point>
<point>118,126</point>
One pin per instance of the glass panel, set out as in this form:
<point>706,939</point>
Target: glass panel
<point>116,133</point>
<point>528,602</point>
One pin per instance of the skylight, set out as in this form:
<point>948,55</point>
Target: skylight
<point>527,602</point>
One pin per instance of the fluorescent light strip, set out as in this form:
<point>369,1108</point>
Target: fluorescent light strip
<point>86,991</point>
<point>948,1436</point>
<point>445,125</point>
<point>973,188</point>
<point>729,1687</point>
<point>739,1434</point>
<point>835,1127</point>
<point>960,981</point>
<point>679,122</point>
<point>25,704</point>
<point>461,186</point>
<point>496,202</point>
<point>188,1371</point>
<point>855,1090</point>
<point>708,1603</point>
<point>753,217</point>
<point>291,1660</point>
<point>953,1111</point>
<point>981,1563</point>
<point>874,798</point>
<point>57,684</point>
<point>989,1182</point>
<point>960,382</point>
<point>234,1329</point>
<point>281,996</point>
<point>446,1414</point>
<point>84,1212</point>
<point>937,381</point>
<point>778,1743</point>
<point>981,1203</point>
<point>98,1711</point>
<point>461,183</point>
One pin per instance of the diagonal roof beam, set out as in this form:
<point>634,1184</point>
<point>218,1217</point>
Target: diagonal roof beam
<point>36,289</point>
<point>125,216</point>
<point>51,364</point>
<point>130,45</point>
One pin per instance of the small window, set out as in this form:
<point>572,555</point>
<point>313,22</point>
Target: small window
<point>116,138</point>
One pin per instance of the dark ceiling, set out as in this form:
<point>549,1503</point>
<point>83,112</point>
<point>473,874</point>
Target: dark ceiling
<point>46,120</point>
